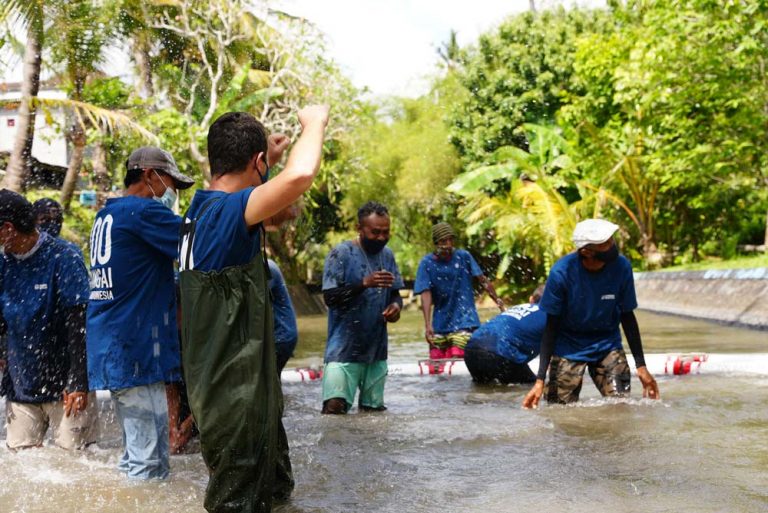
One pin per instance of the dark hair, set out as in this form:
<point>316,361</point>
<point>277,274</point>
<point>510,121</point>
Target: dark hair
<point>15,209</point>
<point>233,140</point>
<point>371,207</point>
<point>48,206</point>
<point>132,176</point>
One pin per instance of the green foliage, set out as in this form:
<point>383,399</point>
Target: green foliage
<point>520,205</point>
<point>516,74</point>
<point>407,162</point>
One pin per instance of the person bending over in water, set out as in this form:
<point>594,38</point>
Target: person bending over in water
<point>501,348</point>
<point>588,294</point>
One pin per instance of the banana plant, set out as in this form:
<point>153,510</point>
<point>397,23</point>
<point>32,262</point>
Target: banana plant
<point>516,201</point>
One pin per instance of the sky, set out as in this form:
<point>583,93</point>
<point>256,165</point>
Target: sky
<point>389,46</point>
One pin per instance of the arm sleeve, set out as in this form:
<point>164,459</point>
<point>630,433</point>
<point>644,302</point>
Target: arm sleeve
<point>340,297</point>
<point>554,298</point>
<point>160,229</point>
<point>74,326</point>
<point>632,332</point>
<point>394,297</point>
<point>473,267</point>
<point>422,278</point>
<point>548,345</point>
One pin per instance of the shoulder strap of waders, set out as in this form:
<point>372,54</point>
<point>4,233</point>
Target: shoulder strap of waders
<point>187,236</point>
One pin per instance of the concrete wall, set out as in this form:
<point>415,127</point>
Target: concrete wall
<point>733,296</point>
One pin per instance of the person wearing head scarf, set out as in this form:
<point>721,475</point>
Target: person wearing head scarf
<point>588,294</point>
<point>445,281</point>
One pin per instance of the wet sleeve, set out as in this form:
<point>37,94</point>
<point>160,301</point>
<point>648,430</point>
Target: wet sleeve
<point>71,279</point>
<point>628,300</point>
<point>160,229</point>
<point>337,293</point>
<point>398,283</point>
<point>548,345</point>
<point>394,297</point>
<point>474,268</point>
<point>632,333</point>
<point>423,281</point>
<point>341,297</point>
<point>74,328</point>
<point>553,300</point>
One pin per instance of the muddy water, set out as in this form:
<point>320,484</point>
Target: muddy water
<point>447,445</point>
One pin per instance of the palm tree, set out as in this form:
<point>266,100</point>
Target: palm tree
<point>30,14</point>
<point>532,216</point>
<point>82,28</point>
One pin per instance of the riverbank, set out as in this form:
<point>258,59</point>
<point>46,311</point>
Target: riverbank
<point>731,296</point>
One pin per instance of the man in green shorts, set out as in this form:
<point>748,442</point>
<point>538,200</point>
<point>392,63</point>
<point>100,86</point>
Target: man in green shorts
<point>361,286</point>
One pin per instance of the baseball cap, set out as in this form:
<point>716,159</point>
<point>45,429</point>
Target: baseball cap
<point>15,209</point>
<point>593,231</point>
<point>150,157</point>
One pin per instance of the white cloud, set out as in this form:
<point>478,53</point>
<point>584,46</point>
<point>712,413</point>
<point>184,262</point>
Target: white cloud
<point>390,46</point>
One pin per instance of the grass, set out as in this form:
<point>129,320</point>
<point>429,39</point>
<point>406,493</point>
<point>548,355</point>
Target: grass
<point>740,262</point>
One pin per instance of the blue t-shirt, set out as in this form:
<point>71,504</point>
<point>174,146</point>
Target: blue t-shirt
<point>132,335</point>
<point>222,238</point>
<point>514,334</point>
<point>590,305</point>
<point>452,293</point>
<point>285,318</point>
<point>35,293</point>
<point>357,333</point>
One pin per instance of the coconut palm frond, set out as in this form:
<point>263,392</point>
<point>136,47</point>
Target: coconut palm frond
<point>109,120</point>
<point>602,193</point>
<point>20,11</point>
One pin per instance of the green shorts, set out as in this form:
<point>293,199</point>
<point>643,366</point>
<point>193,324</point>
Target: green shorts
<point>455,339</point>
<point>341,380</point>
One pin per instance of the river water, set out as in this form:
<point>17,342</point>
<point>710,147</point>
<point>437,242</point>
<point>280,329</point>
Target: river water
<point>446,445</point>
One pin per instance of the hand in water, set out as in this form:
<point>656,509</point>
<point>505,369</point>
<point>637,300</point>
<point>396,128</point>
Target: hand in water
<point>382,279</point>
<point>650,387</point>
<point>75,402</point>
<point>534,395</point>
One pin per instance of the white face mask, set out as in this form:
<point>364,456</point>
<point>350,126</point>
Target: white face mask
<point>168,199</point>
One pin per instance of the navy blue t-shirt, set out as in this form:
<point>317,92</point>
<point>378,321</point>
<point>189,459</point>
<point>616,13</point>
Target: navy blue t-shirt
<point>285,318</point>
<point>357,333</point>
<point>590,305</point>
<point>222,238</point>
<point>514,335</point>
<point>132,334</point>
<point>453,295</point>
<point>34,296</point>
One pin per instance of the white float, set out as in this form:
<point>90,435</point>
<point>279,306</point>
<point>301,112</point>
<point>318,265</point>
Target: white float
<point>676,364</point>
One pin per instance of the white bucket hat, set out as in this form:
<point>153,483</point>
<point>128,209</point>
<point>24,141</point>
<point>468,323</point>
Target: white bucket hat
<point>593,231</point>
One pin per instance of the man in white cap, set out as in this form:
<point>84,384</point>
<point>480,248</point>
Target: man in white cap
<point>588,294</point>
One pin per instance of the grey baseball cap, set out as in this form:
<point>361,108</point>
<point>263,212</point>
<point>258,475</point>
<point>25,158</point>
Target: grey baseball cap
<point>149,157</point>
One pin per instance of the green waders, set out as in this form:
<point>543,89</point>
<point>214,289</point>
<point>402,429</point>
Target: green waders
<point>234,390</point>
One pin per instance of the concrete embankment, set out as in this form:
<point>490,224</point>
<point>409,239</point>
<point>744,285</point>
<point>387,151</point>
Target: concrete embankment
<point>732,296</point>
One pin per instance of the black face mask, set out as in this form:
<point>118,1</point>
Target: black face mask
<point>52,228</point>
<point>609,255</point>
<point>373,246</point>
